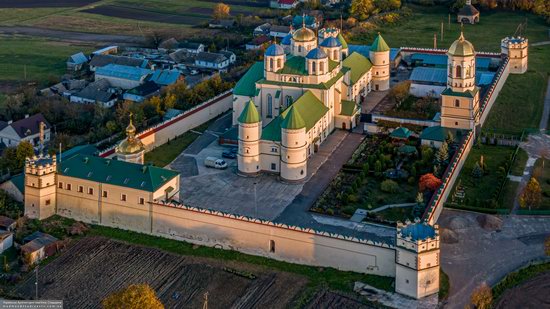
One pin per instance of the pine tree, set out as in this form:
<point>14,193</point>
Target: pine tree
<point>443,153</point>
<point>477,171</point>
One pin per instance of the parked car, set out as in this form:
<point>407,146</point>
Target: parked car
<point>229,154</point>
<point>216,163</point>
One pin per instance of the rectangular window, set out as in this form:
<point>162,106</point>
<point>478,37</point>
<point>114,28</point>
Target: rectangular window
<point>69,186</point>
<point>60,185</point>
<point>141,201</point>
<point>272,246</point>
<point>48,202</point>
<point>123,197</point>
<point>105,194</point>
<point>80,189</point>
<point>91,191</point>
<point>273,166</point>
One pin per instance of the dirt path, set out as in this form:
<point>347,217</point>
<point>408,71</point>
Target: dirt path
<point>74,36</point>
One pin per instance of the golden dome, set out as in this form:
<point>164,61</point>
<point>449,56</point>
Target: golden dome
<point>131,144</point>
<point>461,47</point>
<point>304,34</point>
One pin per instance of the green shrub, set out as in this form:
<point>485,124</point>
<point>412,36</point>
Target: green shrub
<point>411,181</point>
<point>389,186</point>
<point>348,210</point>
<point>352,198</point>
<point>330,212</point>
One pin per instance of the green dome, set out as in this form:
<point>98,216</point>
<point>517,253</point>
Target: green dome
<point>342,41</point>
<point>461,47</point>
<point>379,45</point>
<point>250,113</point>
<point>293,120</point>
<point>303,34</point>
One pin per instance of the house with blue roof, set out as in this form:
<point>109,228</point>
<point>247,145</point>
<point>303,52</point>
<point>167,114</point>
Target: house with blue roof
<point>122,76</point>
<point>166,77</point>
<point>76,62</point>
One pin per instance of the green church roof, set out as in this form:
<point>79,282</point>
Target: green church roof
<point>466,94</point>
<point>294,65</point>
<point>293,120</point>
<point>342,41</point>
<point>115,172</point>
<point>250,113</point>
<point>401,132</point>
<point>349,108</point>
<point>379,45</point>
<point>246,86</point>
<point>358,64</point>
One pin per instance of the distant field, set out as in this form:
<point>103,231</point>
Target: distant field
<point>43,3</point>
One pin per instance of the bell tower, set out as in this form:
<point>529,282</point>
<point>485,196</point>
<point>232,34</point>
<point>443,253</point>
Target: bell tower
<point>40,187</point>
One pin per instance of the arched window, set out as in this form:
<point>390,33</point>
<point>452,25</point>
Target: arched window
<point>279,63</point>
<point>450,70</point>
<point>458,71</point>
<point>321,67</point>
<point>457,103</point>
<point>288,101</point>
<point>335,55</point>
<point>269,106</point>
<point>313,67</point>
<point>271,64</point>
<point>299,48</point>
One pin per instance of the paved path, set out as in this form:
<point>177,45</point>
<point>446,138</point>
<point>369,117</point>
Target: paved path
<point>482,255</point>
<point>541,43</point>
<point>94,38</point>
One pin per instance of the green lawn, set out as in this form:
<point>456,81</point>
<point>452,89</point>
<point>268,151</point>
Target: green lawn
<point>519,165</point>
<point>163,155</point>
<point>318,276</point>
<point>36,58</point>
<point>542,174</point>
<point>396,214</point>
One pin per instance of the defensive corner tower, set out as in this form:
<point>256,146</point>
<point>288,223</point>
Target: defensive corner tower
<point>516,48</point>
<point>417,259</point>
<point>379,55</point>
<point>40,187</point>
<point>250,132</point>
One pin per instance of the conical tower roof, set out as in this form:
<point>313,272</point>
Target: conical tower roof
<point>293,120</point>
<point>342,41</point>
<point>250,113</point>
<point>379,45</point>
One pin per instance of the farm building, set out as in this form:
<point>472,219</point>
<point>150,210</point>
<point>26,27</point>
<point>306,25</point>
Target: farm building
<point>222,24</point>
<point>191,47</point>
<point>122,76</point>
<point>26,129</point>
<point>166,77</point>
<point>6,241</point>
<point>76,62</point>
<point>283,4</point>
<point>109,50</point>
<point>427,81</point>
<point>99,61</point>
<point>14,187</point>
<point>38,246</point>
<point>98,92</point>
<point>142,92</point>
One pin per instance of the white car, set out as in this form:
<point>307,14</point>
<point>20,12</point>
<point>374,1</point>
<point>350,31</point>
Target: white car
<point>216,163</point>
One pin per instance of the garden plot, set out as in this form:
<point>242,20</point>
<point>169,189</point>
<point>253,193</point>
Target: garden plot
<point>27,4</point>
<point>145,15</point>
<point>96,267</point>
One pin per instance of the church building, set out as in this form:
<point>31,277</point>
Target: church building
<point>287,105</point>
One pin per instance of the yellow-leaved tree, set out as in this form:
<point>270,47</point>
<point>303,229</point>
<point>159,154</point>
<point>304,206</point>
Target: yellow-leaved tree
<point>134,296</point>
<point>531,196</point>
<point>221,11</point>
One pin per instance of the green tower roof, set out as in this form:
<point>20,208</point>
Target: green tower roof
<point>293,120</point>
<point>342,41</point>
<point>249,114</point>
<point>379,45</point>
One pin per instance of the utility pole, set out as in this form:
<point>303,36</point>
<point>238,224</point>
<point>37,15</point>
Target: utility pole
<point>255,201</point>
<point>435,40</point>
<point>449,28</point>
<point>441,31</point>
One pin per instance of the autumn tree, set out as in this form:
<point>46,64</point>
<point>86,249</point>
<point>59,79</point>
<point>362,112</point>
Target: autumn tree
<point>547,246</point>
<point>221,11</point>
<point>24,150</point>
<point>134,296</point>
<point>387,5</point>
<point>428,182</point>
<point>531,196</point>
<point>443,153</point>
<point>482,297</point>
<point>400,92</point>
<point>362,9</point>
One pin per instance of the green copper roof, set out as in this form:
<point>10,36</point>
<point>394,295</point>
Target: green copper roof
<point>379,45</point>
<point>349,108</point>
<point>294,65</point>
<point>323,86</point>
<point>249,114</point>
<point>293,120</point>
<point>19,182</point>
<point>308,106</point>
<point>400,132</point>
<point>466,94</point>
<point>342,41</point>
<point>358,64</point>
<point>436,133</point>
<point>246,86</point>
<point>114,172</point>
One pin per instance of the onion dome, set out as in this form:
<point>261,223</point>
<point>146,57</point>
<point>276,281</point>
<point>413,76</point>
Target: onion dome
<point>461,47</point>
<point>250,113</point>
<point>303,34</point>
<point>131,144</point>
<point>316,53</point>
<point>331,42</point>
<point>274,50</point>
<point>287,39</point>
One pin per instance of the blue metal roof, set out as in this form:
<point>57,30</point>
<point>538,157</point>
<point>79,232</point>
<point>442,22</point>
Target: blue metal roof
<point>79,58</point>
<point>123,71</point>
<point>297,21</point>
<point>316,53</point>
<point>418,231</point>
<point>433,75</point>
<point>165,77</point>
<point>365,49</point>
<point>482,63</point>
<point>331,42</point>
<point>274,50</point>
<point>287,39</point>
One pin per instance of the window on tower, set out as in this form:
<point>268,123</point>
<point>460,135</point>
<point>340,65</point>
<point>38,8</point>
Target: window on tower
<point>458,71</point>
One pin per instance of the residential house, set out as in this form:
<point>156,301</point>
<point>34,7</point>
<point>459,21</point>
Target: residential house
<point>283,4</point>
<point>222,24</point>
<point>278,31</point>
<point>38,246</point>
<point>142,92</point>
<point>262,29</point>
<point>76,62</point>
<point>6,241</point>
<point>229,55</point>
<point>14,187</point>
<point>99,61</point>
<point>212,61</point>
<point>122,76</point>
<point>27,129</point>
<point>258,43</point>
<point>7,223</point>
<point>166,77</point>
<point>191,47</point>
<point>98,92</point>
